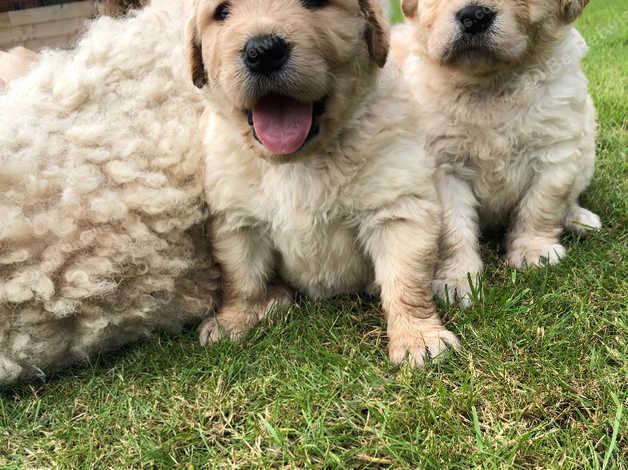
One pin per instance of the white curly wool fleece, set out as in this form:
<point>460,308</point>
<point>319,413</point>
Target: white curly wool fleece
<point>101,206</point>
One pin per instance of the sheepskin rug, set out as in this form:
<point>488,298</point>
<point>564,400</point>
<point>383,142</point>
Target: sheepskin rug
<point>102,237</point>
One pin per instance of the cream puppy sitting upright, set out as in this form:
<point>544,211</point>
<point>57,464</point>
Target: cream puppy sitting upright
<point>315,174</point>
<point>505,107</point>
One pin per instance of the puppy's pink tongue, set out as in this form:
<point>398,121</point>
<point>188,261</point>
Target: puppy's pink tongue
<point>282,124</point>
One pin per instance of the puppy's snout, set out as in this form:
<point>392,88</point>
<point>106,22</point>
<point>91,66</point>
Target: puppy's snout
<point>264,55</point>
<point>476,19</point>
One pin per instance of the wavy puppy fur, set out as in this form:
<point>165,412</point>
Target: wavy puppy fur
<point>354,205</point>
<point>505,107</point>
<point>101,197</point>
<point>118,7</point>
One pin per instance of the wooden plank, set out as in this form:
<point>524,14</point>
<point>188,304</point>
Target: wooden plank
<point>63,42</point>
<point>5,22</point>
<point>84,9</point>
<point>22,34</point>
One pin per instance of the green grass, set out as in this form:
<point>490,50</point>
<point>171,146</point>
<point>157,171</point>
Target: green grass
<point>541,381</point>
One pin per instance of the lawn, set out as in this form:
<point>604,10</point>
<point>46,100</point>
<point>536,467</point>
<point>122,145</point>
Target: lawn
<point>541,382</point>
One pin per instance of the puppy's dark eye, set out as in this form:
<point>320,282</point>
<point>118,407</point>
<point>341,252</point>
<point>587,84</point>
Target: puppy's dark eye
<point>313,4</point>
<point>222,11</point>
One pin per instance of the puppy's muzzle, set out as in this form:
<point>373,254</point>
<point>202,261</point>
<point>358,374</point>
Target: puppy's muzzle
<point>282,122</point>
<point>475,19</point>
<point>265,55</point>
<point>474,39</point>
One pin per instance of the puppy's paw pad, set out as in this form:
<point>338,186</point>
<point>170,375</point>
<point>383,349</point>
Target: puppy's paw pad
<point>582,220</point>
<point>537,256</point>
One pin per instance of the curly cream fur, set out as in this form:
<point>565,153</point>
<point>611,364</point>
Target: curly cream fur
<point>102,237</point>
<point>118,7</point>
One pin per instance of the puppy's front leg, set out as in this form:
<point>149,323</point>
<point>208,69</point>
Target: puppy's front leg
<point>247,261</point>
<point>460,246</point>
<point>533,238</point>
<point>403,243</point>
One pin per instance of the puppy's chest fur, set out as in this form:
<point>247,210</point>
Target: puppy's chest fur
<point>501,141</point>
<point>490,151</point>
<point>314,231</point>
<point>501,144</point>
<point>305,215</point>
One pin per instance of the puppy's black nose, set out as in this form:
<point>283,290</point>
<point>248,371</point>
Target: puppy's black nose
<point>265,54</point>
<point>475,19</point>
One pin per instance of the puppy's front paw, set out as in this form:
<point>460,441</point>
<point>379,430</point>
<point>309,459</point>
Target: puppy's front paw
<point>523,256</point>
<point>236,318</point>
<point>210,331</point>
<point>453,291</point>
<point>230,321</point>
<point>581,220</point>
<point>416,345</point>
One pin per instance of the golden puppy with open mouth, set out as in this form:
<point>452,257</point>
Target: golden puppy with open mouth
<point>505,108</point>
<point>316,177</point>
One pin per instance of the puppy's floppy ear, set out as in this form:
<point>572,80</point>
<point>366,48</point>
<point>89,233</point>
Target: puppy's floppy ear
<point>409,8</point>
<point>194,54</point>
<point>377,31</point>
<point>570,10</point>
